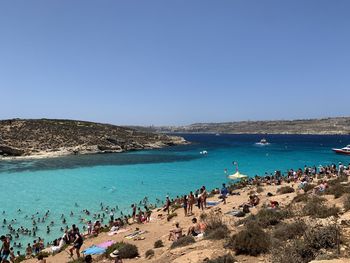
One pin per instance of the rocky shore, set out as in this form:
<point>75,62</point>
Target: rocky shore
<point>38,138</point>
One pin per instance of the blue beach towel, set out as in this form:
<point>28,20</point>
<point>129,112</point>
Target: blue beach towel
<point>213,203</point>
<point>93,250</point>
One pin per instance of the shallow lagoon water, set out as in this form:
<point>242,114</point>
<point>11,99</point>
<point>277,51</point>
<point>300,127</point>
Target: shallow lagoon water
<point>120,179</point>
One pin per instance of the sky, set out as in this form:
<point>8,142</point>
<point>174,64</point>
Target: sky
<point>174,62</point>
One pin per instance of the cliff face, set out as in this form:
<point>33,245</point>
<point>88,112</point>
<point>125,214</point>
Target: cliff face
<point>311,126</point>
<point>57,137</point>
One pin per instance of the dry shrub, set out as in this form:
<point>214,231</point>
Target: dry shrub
<point>309,187</point>
<point>307,248</point>
<point>259,189</point>
<point>149,253</point>
<point>317,209</point>
<point>228,258</point>
<point>269,217</point>
<point>216,228</point>
<point>322,237</point>
<point>182,241</point>
<point>347,203</point>
<point>126,250</point>
<point>158,244</point>
<point>287,231</point>
<point>171,216</point>
<point>251,241</point>
<point>337,190</point>
<point>286,190</point>
<point>301,198</point>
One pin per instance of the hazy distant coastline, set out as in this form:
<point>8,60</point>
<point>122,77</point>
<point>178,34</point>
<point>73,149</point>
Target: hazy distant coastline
<point>325,126</point>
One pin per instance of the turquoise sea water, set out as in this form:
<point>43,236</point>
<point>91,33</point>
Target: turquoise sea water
<point>121,179</point>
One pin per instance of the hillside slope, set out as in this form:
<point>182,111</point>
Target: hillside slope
<point>58,137</point>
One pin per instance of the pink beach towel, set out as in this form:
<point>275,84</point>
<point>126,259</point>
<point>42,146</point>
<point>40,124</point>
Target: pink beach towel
<point>106,244</point>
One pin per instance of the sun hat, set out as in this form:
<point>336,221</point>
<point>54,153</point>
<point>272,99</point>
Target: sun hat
<point>114,254</point>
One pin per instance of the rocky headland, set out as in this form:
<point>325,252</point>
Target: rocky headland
<point>49,137</point>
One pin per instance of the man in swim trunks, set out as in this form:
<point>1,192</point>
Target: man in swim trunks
<point>175,233</point>
<point>77,243</point>
<point>5,249</point>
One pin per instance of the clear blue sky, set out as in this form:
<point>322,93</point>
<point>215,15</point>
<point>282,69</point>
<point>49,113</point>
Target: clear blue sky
<point>174,62</point>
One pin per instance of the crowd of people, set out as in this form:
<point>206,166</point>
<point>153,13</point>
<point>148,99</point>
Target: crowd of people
<point>141,213</point>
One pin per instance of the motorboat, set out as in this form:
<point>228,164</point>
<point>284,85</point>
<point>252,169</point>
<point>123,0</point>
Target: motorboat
<point>345,150</point>
<point>263,142</point>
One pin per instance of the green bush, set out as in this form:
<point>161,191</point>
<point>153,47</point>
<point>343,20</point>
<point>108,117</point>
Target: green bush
<point>149,253</point>
<point>182,241</point>
<point>228,258</point>
<point>158,244</point>
<point>285,190</point>
<point>289,231</point>
<point>126,250</point>
<point>251,241</point>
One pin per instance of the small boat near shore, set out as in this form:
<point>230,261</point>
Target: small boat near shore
<point>263,142</point>
<point>345,150</point>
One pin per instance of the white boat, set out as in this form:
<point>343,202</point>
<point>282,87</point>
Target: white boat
<point>345,150</point>
<point>263,142</point>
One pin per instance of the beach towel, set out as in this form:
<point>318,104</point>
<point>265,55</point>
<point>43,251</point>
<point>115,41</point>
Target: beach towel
<point>106,244</point>
<point>119,231</point>
<point>94,250</point>
<point>135,234</point>
<point>236,213</point>
<point>213,203</point>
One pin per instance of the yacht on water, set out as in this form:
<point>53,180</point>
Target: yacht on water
<point>263,141</point>
<point>345,150</point>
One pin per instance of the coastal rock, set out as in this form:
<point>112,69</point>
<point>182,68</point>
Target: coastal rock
<point>48,137</point>
<point>10,151</point>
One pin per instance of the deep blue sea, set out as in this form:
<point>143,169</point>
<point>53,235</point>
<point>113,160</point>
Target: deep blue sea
<point>120,179</point>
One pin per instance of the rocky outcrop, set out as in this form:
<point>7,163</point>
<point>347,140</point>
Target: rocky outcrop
<point>56,137</point>
<point>10,151</point>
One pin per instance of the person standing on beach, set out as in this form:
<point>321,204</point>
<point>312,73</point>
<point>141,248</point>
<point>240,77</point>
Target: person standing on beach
<point>185,203</point>
<point>5,249</point>
<point>133,206</point>
<point>191,200</point>
<point>77,243</point>
<point>224,193</point>
<point>167,205</point>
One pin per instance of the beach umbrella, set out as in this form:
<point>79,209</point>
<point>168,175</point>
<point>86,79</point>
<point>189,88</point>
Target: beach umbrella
<point>237,175</point>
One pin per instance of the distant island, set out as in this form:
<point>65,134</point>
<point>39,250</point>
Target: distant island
<point>339,125</point>
<point>49,137</point>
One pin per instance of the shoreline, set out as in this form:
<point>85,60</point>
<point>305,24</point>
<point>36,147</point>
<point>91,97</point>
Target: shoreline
<point>70,152</point>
